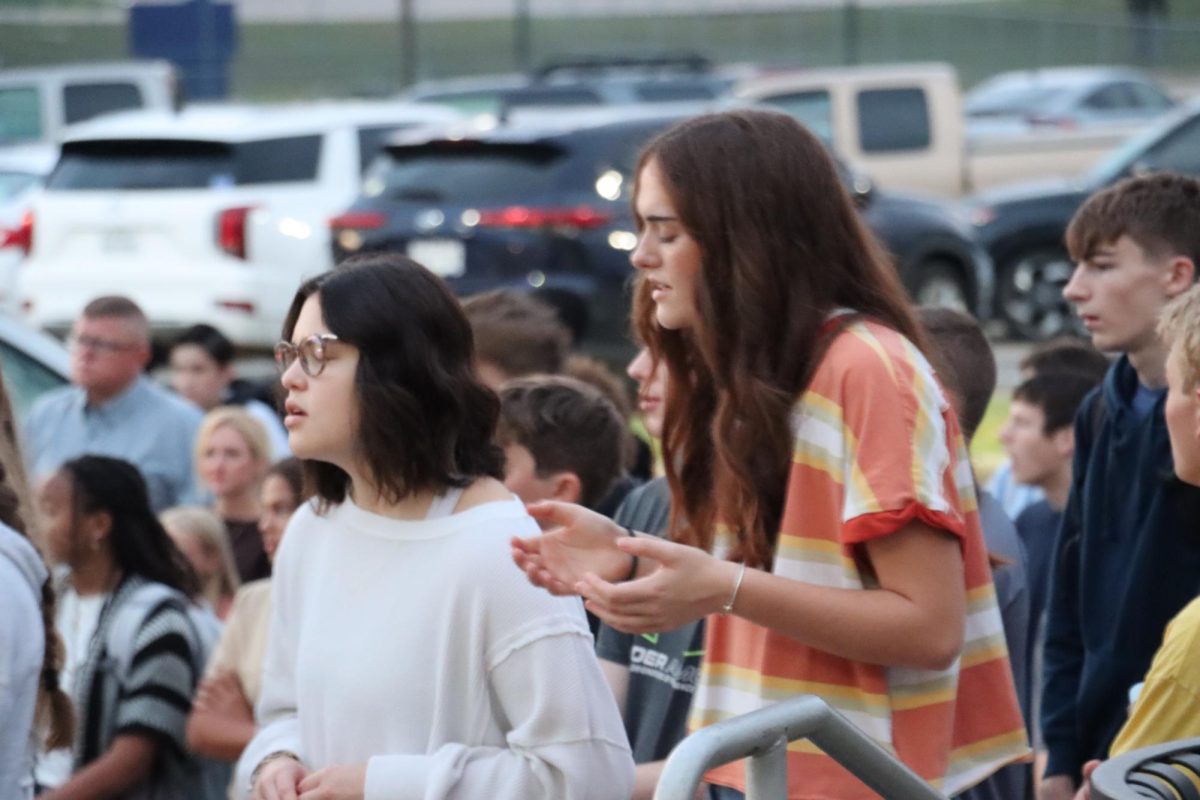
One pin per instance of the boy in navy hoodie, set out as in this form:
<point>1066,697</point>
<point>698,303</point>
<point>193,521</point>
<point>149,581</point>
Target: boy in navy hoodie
<point>1128,553</point>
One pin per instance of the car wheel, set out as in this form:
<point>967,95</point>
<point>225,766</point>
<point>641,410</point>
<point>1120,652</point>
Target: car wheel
<point>939,283</point>
<point>1029,294</point>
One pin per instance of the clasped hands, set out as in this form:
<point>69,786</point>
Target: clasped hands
<point>584,553</point>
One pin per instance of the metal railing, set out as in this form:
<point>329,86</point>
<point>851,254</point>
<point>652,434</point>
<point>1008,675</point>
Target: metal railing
<point>762,737</point>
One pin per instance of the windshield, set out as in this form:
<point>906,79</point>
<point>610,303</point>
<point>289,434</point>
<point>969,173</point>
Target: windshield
<point>1008,98</point>
<point>1119,160</point>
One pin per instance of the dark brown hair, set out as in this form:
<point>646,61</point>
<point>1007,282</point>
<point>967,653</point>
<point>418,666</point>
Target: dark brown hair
<point>1066,354</point>
<point>290,471</point>
<point>567,426</point>
<point>1058,395</point>
<point>1159,212</point>
<point>964,361</point>
<point>425,421</point>
<point>519,334</point>
<point>783,247</point>
<point>54,708</point>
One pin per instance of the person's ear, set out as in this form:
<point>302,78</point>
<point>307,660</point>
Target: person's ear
<point>94,528</point>
<point>1180,276</point>
<point>567,488</point>
<point>226,374</point>
<point>1196,410</point>
<point>1063,440</point>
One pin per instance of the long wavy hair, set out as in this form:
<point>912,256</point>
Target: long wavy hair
<point>55,712</point>
<point>782,248</point>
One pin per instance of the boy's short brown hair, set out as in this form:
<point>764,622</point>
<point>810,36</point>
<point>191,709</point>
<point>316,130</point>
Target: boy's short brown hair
<point>1179,326</point>
<point>567,426</point>
<point>963,360</point>
<point>1159,212</point>
<point>519,334</point>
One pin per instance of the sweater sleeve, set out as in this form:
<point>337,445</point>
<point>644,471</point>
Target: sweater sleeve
<point>1063,649</point>
<point>565,738</point>
<point>278,724</point>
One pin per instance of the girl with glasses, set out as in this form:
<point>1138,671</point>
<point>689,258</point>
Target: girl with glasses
<point>406,658</point>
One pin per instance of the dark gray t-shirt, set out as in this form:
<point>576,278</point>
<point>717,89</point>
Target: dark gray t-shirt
<point>663,667</point>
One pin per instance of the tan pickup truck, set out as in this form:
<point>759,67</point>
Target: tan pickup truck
<point>903,125</point>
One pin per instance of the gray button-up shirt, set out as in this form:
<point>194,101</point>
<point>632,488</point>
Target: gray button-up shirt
<point>145,425</point>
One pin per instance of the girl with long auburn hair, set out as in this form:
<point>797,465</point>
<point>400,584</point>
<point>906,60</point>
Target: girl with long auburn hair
<point>823,516</point>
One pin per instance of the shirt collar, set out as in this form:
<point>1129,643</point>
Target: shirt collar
<point>118,403</point>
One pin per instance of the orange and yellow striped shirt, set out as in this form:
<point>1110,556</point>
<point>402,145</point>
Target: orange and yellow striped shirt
<point>876,446</point>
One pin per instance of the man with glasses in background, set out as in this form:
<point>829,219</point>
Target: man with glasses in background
<point>113,409</point>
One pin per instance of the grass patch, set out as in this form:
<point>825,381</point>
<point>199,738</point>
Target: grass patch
<point>986,451</point>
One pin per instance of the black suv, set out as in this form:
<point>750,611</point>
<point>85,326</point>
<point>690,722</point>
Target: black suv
<point>547,208</point>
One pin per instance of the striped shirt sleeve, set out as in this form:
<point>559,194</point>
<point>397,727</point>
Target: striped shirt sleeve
<point>157,697</point>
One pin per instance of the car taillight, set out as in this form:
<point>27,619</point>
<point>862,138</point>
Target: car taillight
<point>231,230</point>
<point>582,217</point>
<point>362,220</point>
<point>20,236</point>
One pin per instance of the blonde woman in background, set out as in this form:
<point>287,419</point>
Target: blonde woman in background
<point>232,456</point>
<point>200,534</point>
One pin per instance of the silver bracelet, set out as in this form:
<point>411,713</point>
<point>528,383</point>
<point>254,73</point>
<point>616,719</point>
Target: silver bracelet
<point>728,607</point>
<point>267,759</point>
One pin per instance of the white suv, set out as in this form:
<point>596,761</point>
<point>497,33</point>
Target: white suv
<point>210,215</point>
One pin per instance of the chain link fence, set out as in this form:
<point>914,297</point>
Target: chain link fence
<point>318,51</point>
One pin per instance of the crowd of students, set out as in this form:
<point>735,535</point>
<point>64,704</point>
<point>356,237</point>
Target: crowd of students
<point>798,515</point>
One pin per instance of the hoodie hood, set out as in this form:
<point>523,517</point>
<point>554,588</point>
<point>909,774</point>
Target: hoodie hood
<point>17,549</point>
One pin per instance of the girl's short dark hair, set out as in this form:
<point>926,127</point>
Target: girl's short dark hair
<point>425,421</point>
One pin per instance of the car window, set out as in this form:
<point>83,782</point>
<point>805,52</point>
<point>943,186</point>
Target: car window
<point>553,96</point>
<point>893,120</point>
<point>25,378</point>
<point>293,159</point>
<point>664,91</point>
<point>150,164</point>
<point>812,109</point>
<point>20,114</point>
<point>13,183</point>
<point>371,140</point>
<point>82,101</point>
<point>1179,151</point>
<point>1148,97</point>
<point>467,173</point>
<point>1113,97</point>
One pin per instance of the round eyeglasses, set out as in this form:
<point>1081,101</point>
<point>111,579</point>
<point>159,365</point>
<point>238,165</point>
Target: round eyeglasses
<point>310,350</point>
